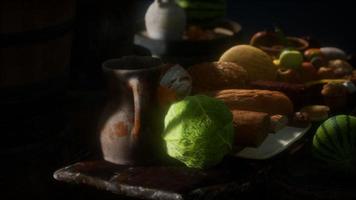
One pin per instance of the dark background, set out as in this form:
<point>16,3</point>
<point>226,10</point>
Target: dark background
<point>332,22</point>
<point>105,29</point>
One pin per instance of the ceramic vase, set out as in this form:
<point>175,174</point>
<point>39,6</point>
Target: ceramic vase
<point>165,20</point>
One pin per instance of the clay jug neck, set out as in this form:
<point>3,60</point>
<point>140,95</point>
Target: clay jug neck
<point>120,72</point>
<point>165,2</point>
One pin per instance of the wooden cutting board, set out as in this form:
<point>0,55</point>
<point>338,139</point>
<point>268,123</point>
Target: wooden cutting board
<point>229,180</point>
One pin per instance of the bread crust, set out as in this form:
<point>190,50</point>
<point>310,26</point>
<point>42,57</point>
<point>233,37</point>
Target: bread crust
<point>271,102</point>
<point>251,128</point>
<point>217,76</point>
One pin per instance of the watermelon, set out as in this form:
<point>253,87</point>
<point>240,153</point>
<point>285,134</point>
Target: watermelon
<point>335,142</point>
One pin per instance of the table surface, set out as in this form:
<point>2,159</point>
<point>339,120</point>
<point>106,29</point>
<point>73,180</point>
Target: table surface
<point>166,182</point>
<point>233,178</point>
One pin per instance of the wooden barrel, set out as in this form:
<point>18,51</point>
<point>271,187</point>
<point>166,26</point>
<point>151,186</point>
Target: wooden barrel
<point>35,49</point>
<point>35,43</point>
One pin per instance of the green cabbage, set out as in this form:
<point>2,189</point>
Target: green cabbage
<point>198,131</point>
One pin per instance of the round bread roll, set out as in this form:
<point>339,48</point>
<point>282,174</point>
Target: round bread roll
<point>217,76</point>
<point>256,62</point>
<point>316,112</point>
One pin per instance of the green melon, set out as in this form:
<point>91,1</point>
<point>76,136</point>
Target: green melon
<point>335,142</point>
<point>203,10</point>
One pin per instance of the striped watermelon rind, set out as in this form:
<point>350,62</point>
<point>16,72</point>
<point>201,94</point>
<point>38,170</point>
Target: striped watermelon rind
<point>335,142</point>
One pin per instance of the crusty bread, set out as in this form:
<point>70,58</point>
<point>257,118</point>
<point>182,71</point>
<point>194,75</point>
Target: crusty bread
<point>217,76</point>
<point>251,128</point>
<point>271,102</point>
<point>278,122</point>
<point>316,112</point>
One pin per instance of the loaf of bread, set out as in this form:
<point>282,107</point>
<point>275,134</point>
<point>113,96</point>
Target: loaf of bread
<point>217,76</point>
<point>297,93</point>
<point>316,112</point>
<point>271,102</point>
<point>251,128</point>
<point>278,122</point>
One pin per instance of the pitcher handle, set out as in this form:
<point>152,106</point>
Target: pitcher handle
<point>137,97</point>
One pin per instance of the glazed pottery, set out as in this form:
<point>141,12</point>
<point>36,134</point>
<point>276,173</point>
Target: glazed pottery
<point>189,52</point>
<point>165,20</point>
<point>129,126</point>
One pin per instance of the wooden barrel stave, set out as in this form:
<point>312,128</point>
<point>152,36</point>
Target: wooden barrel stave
<point>35,41</point>
<point>27,15</point>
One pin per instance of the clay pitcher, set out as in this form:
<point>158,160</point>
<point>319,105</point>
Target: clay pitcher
<point>129,127</point>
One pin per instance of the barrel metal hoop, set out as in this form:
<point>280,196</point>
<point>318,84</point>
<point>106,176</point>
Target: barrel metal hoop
<point>36,36</point>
